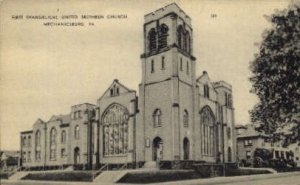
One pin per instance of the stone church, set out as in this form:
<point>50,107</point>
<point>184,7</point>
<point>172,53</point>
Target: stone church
<point>176,117</point>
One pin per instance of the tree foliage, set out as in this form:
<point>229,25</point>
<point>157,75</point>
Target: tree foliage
<point>276,72</point>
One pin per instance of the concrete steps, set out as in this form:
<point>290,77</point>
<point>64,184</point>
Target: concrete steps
<point>18,175</point>
<point>110,176</point>
<point>150,165</point>
<point>70,168</point>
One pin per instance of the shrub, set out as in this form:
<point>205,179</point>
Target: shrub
<point>159,176</point>
<point>4,175</point>
<point>61,176</point>
<point>240,172</point>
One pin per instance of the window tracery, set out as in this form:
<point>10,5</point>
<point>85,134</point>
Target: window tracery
<point>208,132</point>
<point>157,118</point>
<point>115,130</point>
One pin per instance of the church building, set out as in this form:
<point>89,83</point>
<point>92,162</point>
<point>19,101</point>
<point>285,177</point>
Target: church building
<point>176,116</point>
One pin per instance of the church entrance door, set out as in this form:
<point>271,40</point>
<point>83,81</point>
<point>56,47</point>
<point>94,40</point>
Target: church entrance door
<point>157,148</point>
<point>76,155</point>
<point>186,148</point>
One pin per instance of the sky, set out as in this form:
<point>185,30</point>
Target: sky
<point>45,70</point>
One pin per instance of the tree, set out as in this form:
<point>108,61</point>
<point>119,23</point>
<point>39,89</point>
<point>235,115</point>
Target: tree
<point>276,73</point>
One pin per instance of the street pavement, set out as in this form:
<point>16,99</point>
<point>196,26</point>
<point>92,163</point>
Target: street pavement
<point>292,178</point>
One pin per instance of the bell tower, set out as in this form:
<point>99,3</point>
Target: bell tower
<point>168,83</point>
<point>168,45</point>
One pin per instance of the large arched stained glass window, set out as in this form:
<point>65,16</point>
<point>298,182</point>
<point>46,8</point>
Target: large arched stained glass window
<point>53,144</point>
<point>38,145</point>
<point>115,130</point>
<point>208,132</point>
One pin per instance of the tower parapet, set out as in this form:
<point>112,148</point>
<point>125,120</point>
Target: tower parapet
<point>171,8</point>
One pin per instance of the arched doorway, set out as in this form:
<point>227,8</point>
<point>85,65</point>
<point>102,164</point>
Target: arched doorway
<point>76,155</point>
<point>157,148</point>
<point>229,154</point>
<point>186,148</point>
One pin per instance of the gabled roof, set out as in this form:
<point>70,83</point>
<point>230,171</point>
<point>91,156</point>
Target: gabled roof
<point>251,132</point>
<point>39,121</point>
<point>222,84</point>
<point>204,79</point>
<point>63,118</point>
<point>122,89</point>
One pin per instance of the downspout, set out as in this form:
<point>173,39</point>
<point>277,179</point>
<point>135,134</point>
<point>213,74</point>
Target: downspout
<point>45,152</point>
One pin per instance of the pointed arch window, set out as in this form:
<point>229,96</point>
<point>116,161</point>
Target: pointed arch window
<point>157,118</point>
<point>63,137</point>
<point>76,132</point>
<point>53,135</point>
<point>163,36</point>
<point>152,36</point>
<point>185,118</point>
<point>206,90</point>
<point>114,91</point>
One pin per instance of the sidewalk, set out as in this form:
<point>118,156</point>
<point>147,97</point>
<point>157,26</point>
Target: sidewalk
<point>207,181</point>
<point>221,180</point>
